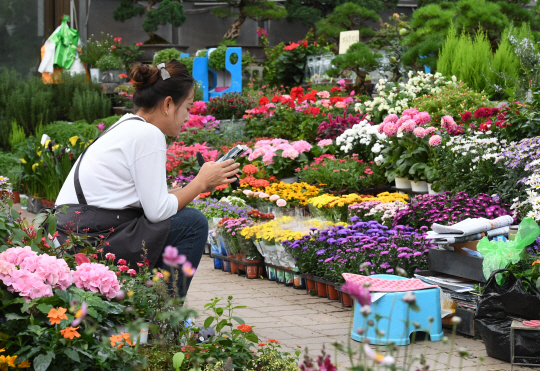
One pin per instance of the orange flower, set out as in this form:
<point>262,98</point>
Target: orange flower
<point>57,315</point>
<point>127,338</point>
<point>115,339</point>
<point>70,332</point>
<point>273,341</point>
<point>221,187</point>
<point>262,344</point>
<point>536,262</point>
<point>245,328</point>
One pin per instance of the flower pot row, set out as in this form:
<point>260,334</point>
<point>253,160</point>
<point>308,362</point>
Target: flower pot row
<point>418,187</point>
<point>325,289</point>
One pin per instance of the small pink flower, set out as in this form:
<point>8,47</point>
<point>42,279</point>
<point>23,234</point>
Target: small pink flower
<point>122,262</point>
<point>390,129</point>
<point>323,94</point>
<point>290,153</point>
<point>274,198</point>
<point>422,118</point>
<point>188,269</point>
<point>132,272</point>
<point>435,140</point>
<point>101,126</point>
<point>391,118</point>
<point>419,132</point>
<point>110,256</point>
<point>281,202</point>
<point>172,258</point>
<point>159,274</point>
<point>325,142</point>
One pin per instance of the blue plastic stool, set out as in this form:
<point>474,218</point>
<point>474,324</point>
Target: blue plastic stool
<point>394,310</point>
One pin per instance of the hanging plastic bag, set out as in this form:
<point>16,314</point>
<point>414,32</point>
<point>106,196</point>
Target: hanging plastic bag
<point>498,306</point>
<point>499,255</point>
<point>66,40</point>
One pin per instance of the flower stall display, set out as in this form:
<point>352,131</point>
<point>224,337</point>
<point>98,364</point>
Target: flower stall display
<point>394,98</point>
<point>295,194</point>
<point>182,160</point>
<point>360,248</point>
<point>197,122</point>
<point>335,126</point>
<point>363,139</point>
<point>229,229</point>
<point>383,212</point>
<point>424,210</point>
<point>349,174</point>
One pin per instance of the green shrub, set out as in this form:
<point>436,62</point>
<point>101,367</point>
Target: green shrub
<point>216,61</point>
<point>8,162</point>
<point>165,55</point>
<point>64,91</point>
<point>452,100</point>
<point>89,105</point>
<point>30,104</point>
<point>504,68</point>
<point>109,62</point>
<point>108,121</point>
<point>17,134</point>
<point>5,130</point>
<point>466,59</point>
<point>229,106</point>
<point>61,131</point>
<point>9,82</point>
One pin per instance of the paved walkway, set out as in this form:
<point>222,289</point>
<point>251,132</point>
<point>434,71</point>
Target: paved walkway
<point>295,318</point>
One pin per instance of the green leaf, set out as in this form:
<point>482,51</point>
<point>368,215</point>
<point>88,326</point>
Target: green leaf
<point>13,316</point>
<point>14,214</point>
<point>93,313</point>
<point>252,337</point>
<point>239,320</point>
<point>177,359</point>
<point>43,361</point>
<point>220,325</point>
<point>219,311</point>
<point>72,354</point>
<point>208,322</point>
<point>44,308</point>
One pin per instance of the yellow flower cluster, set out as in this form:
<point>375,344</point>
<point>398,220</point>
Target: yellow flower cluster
<point>9,361</point>
<point>274,230</point>
<point>295,193</point>
<point>329,201</point>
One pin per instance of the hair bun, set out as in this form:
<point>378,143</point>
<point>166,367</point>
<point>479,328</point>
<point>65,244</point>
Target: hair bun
<point>143,75</point>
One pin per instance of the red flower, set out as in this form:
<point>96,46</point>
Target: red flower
<point>292,46</point>
<point>276,99</point>
<point>263,101</point>
<point>81,258</point>
<point>466,116</point>
<point>297,92</point>
<point>305,43</point>
<point>334,89</point>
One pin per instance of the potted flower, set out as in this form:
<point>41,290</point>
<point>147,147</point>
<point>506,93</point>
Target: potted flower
<point>124,99</point>
<point>110,67</point>
<point>93,51</point>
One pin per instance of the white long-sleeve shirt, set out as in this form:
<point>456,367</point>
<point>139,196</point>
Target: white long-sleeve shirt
<point>125,168</point>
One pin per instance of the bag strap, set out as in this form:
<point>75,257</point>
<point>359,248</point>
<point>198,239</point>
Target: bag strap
<point>78,188</point>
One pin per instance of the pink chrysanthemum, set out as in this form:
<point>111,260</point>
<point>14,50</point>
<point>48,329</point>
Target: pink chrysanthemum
<point>419,132</point>
<point>407,126</point>
<point>448,123</point>
<point>435,140</point>
<point>391,118</point>
<point>410,112</point>
<point>403,119</point>
<point>422,118</point>
<point>390,129</point>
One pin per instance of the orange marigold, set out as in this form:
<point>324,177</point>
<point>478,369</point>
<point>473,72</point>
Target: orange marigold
<point>57,315</point>
<point>262,344</point>
<point>273,341</point>
<point>245,328</point>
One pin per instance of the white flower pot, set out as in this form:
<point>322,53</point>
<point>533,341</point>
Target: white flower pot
<point>94,74</point>
<point>290,180</point>
<point>402,183</point>
<point>24,202</point>
<point>420,186</point>
<point>431,191</point>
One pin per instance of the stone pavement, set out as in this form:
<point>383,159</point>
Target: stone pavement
<point>295,318</point>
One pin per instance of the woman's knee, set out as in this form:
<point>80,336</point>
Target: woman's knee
<point>195,219</point>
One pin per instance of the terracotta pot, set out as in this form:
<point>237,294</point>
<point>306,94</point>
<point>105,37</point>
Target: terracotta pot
<point>252,271</point>
<point>234,267</point>
<point>321,290</point>
<point>346,299</point>
<point>240,257</point>
<point>297,281</point>
<point>310,284</point>
<point>333,294</point>
<point>16,197</point>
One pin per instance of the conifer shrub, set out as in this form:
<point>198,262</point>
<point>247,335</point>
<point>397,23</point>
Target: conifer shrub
<point>89,106</point>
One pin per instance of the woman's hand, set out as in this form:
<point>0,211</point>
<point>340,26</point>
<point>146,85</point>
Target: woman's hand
<point>213,174</point>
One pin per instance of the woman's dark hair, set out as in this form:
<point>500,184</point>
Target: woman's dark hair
<point>151,89</point>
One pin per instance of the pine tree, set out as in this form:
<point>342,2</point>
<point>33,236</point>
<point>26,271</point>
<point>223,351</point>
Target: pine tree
<point>347,17</point>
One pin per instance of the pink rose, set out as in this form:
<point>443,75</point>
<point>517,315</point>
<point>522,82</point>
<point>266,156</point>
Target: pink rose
<point>281,202</point>
<point>274,198</point>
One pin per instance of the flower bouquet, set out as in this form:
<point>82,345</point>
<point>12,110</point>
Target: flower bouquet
<point>281,157</point>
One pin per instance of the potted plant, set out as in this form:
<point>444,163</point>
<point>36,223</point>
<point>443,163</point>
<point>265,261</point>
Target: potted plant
<point>124,99</point>
<point>110,67</point>
<point>93,51</point>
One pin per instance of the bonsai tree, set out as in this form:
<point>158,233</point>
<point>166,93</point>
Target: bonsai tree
<point>310,12</point>
<point>258,10</point>
<point>359,59</point>
<point>167,11</point>
<point>347,17</point>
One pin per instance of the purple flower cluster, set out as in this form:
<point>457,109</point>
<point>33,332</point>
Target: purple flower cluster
<point>425,210</point>
<point>180,180</point>
<point>361,248</point>
<point>212,208</point>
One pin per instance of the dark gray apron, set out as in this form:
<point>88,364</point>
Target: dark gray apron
<point>131,227</point>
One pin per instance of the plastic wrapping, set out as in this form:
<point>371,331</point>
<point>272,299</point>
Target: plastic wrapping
<point>498,306</point>
<point>66,40</point>
<point>499,255</point>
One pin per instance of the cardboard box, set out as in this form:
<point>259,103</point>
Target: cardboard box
<point>471,245</point>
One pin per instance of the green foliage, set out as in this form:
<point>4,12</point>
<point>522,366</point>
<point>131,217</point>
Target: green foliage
<point>360,59</point>
<point>9,82</point>
<point>216,61</point>
<point>61,131</point>
<point>30,104</point>
<point>311,11</point>
<point>201,53</point>
<point>108,121</point>
<point>468,60</point>
<point>64,90</point>
<point>17,135</point>
<point>166,55</point>
<point>89,106</point>
<point>109,62</point>
<point>452,100</point>
<point>167,12</point>
<point>95,49</point>
<point>8,163</point>
<point>347,17</point>
<point>504,68</point>
<point>229,106</point>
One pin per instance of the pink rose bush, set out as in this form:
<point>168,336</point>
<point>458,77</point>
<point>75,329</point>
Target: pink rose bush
<point>34,276</point>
